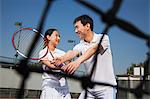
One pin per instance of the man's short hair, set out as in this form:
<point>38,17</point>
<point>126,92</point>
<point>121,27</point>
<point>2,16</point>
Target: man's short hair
<point>84,20</point>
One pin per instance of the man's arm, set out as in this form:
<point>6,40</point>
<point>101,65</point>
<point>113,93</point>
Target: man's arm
<point>91,51</point>
<point>66,57</point>
<point>72,66</point>
<point>50,64</point>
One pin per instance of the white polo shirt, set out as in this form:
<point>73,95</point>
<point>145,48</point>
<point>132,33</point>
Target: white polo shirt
<point>53,85</point>
<point>104,67</point>
<point>55,79</point>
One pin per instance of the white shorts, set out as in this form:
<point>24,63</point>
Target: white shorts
<point>109,93</point>
<point>52,93</point>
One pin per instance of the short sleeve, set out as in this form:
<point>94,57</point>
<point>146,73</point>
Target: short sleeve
<point>41,53</point>
<point>105,42</point>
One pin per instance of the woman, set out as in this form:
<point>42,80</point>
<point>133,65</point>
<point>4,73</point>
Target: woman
<point>53,86</point>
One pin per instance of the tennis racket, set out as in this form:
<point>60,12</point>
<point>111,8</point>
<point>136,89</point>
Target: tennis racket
<point>22,40</point>
<point>54,57</point>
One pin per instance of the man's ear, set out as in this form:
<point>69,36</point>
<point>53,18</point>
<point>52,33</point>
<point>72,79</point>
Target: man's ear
<point>88,26</point>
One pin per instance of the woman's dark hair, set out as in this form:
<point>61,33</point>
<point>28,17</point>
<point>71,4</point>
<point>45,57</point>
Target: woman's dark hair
<point>84,20</point>
<point>48,32</point>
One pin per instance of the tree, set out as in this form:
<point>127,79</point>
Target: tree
<point>131,68</point>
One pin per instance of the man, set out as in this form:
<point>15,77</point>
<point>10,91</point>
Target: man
<point>86,49</point>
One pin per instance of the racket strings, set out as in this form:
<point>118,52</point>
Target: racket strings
<point>39,46</point>
<point>18,39</point>
<point>26,41</point>
<point>23,40</point>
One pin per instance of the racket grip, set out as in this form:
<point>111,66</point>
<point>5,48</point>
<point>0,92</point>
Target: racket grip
<point>61,65</point>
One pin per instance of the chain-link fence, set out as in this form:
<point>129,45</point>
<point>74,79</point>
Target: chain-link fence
<point>138,88</point>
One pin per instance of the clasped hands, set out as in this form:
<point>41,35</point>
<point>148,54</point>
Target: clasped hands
<point>69,68</point>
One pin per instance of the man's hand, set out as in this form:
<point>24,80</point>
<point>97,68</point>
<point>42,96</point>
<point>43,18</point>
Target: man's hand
<point>57,61</point>
<point>71,67</point>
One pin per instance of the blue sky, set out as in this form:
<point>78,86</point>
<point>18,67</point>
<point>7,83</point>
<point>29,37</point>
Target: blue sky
<point>126,48</point>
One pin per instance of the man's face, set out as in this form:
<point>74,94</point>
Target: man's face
<point>80,29</point>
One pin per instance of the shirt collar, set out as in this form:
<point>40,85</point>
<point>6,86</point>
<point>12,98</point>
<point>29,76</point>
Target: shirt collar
<point>93,40</point>
<point>53,51</point>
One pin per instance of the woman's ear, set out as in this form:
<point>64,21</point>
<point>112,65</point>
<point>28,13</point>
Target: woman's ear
<point>48,37</point>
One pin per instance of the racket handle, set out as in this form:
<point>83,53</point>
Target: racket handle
<point>61,65</point>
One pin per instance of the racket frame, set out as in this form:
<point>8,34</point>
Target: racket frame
<point>34,30</point>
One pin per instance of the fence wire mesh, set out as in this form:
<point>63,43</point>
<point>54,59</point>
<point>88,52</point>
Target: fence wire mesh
<point>109,19</point>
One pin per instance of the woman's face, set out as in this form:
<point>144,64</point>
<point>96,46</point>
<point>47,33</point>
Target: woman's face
<point>54,38</point>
